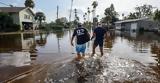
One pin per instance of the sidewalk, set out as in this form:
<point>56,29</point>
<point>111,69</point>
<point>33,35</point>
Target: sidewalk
<point>19,32</point>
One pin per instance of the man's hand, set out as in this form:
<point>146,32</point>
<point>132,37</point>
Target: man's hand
<point>72,44</point>
<point>93,36</point>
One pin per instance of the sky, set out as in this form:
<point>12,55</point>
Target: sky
<point>49,6</point>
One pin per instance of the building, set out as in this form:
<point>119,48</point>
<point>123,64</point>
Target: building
<point>136,24</point>
<point>22,16</point>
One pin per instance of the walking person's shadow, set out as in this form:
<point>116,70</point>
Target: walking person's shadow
<point>81,72</point>
<point>87,70</point>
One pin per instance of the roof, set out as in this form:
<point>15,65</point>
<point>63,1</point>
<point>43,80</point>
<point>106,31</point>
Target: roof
<point>131,20</point>
<point>14,9</point>
<point>11,9</point>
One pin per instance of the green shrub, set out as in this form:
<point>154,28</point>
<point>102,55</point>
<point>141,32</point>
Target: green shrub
<point>12,28</point>
<point>57,27</point>
<point>16,27</point>
<point>141,29</point>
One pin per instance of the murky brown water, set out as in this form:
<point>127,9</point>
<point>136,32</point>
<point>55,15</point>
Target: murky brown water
<point>129,57</point>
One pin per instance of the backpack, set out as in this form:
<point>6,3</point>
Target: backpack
<point>87,37</point>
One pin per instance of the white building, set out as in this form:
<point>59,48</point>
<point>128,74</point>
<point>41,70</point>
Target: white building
<point>136,24</point>
<point>22,16</point>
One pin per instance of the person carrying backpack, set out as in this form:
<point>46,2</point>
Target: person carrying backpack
<point>83,37</point>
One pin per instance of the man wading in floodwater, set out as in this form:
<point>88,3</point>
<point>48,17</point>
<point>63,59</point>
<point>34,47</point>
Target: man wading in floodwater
<point>82,36</point>
<point>99,34</point>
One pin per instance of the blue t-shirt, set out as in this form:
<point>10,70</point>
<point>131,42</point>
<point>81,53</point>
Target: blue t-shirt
<point>80,33</point>
<point>100,32</point>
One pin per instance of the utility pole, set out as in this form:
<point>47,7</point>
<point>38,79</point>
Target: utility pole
<point>57,11</point>
<point>70,11</point>
<point>70,22</point>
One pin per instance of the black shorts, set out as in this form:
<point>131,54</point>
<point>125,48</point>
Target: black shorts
<point>100,43</point>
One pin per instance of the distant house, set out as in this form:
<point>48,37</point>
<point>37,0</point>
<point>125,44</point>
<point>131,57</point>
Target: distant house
<point>22,16</point>
<point>136,24</point>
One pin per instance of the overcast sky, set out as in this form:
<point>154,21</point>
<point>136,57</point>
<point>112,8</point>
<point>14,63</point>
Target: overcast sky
<point>49,6</point>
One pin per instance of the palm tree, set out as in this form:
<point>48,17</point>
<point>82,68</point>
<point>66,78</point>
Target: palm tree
<point>76,17</point>
<point>88,13</point>
<point>75,12</point>
<point>29,3</point>
<point>94,4</point>
<point>157,15</point>
<point>93,13</point>
<point>84,17</point>
<point>123,16</point>
<point>97,17</point>
<point>40,17</point>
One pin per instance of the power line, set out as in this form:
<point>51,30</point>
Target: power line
<point>6,4</point>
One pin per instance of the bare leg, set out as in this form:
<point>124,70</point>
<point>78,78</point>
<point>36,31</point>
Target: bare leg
<point>83,54</point>
<point>93,50</point>
<point>78,56</point>
<point>101,50</point>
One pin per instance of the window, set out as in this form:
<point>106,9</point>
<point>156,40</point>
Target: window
<point>28,17</point>
<point>25,16</point>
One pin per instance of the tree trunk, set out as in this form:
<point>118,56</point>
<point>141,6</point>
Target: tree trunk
<point>40,23</point>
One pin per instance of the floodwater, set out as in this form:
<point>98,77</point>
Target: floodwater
<point>128,57</point>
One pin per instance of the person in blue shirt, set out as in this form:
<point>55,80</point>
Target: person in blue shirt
<point>98,34</point>
<point>81,34</point>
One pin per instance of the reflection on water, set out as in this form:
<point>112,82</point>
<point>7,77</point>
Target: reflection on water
<point>127,45</point>
<point>25,48</point>
<point>16,42</point>
<point>136,48</point>
<point>16,59</point>
<point>42,40</point>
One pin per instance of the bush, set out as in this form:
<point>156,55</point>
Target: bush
<point>141,29</point>
<point>16,27</point>
<point>6,23</point>
<point>57,27</point>
<point>12,28</point>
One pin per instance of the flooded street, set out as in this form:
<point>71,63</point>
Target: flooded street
<point>49,58</point>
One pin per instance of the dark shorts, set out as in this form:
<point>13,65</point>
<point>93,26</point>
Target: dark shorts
<point>98,43</point>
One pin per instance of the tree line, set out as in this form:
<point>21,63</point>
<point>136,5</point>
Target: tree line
<point>111,15</point>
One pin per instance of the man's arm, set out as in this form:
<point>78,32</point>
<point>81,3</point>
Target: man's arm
<point>93,36</point>
<point>72,40</point>
<point>74,34</point>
